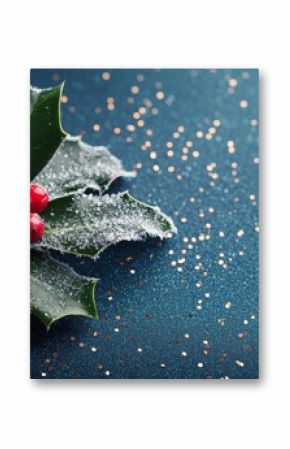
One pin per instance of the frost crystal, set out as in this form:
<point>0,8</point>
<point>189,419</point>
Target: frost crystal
<point>76,166</point>
<point>86,224</point>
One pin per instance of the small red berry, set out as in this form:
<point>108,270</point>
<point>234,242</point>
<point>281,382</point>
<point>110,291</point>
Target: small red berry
<point>37,227</point>
<point>38,198</point>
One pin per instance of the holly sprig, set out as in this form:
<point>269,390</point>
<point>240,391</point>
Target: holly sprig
<point>71,220</point>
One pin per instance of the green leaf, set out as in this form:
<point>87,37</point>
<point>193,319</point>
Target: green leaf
<point>57,291</point>
<point>76,166</point>
<point>46,132</point>
<point>86,224</point>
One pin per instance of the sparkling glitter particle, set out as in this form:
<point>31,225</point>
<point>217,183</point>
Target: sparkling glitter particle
<point>64,99</point>
<point>244,104</point>
<point>131,128</point>
<point>160,95</point>
<point>97,127</point>
<point>135,90</point>
<point>106,76</point>
<point>239,363</point>
<point>233,82</point>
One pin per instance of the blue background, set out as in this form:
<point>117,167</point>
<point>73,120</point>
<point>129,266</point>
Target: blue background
<point>155,321</point>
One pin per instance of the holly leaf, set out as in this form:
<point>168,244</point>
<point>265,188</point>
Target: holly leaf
<point>46,132</point>
<point>76,166</point>
<point>86,225</point>
<point>57,291</point>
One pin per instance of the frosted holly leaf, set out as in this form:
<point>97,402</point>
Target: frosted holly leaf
<point>86,224</point>
<point>46,132</point>
<point>61,163</point>
<point>76,166</point>
<point>57,291</point>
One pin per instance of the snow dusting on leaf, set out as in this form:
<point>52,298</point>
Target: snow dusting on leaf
<point>76,166</point>
<point>57,291</point>
<point>86,224</point>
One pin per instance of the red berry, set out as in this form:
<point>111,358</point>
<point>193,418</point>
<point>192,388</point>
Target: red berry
<point>38,198</point>
<point>36,227</point>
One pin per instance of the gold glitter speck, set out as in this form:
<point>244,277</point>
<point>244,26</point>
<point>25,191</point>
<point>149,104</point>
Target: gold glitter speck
<point>135,90</point>
<point>106,76</point>
<point>131,128</point>
<point>64,99</point>
<point>243,104</point>
<point>97,127</point>
<point>233,82</point>
<point>160,95</point>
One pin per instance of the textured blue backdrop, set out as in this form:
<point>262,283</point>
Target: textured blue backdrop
<point>186,307</point>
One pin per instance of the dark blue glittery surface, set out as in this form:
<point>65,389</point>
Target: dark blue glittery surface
<point>155,321</point>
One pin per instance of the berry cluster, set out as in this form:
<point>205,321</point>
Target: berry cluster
<point>38,202</point>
